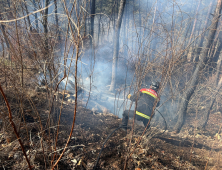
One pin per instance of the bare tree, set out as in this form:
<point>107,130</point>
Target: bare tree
<point>36,16</point>
<point>200,42</point>
<point>116,44</point>
<point>28,18</point>
<point>218,84</point>
<point>45,24</point>
<point>2,26</point>
<point>101,4</point>
<point>5,37</point>
<point>93,10</point>
<point>204,57</point>
<point>57,20</point>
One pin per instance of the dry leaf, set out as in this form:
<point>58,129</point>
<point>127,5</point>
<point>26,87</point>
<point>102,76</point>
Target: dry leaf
<point>137,169</point>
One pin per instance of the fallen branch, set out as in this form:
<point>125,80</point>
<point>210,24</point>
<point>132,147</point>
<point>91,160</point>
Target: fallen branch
<point>58,150</point>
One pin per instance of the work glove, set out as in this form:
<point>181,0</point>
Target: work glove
<point>129,95</point>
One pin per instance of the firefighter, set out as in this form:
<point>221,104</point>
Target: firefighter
<point>146,100</point>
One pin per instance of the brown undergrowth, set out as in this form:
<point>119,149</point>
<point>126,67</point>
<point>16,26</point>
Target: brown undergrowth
<point>190,149</point>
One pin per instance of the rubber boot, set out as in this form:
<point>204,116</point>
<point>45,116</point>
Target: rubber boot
<point>124,123</point>
<point>145,121</point>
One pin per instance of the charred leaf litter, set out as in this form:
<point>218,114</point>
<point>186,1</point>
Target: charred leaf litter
<point>187,150</point>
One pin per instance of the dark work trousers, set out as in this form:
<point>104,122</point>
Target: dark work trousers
<point>130,114</point>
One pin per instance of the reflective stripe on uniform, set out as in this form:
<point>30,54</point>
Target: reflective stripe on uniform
<point>142,115</point>
<point>149,94</point>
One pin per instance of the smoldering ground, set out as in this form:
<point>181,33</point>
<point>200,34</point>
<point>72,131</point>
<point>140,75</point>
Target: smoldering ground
<point>94,67</point>
<point>95,78</point>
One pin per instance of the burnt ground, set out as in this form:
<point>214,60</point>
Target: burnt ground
<point>190,149</point>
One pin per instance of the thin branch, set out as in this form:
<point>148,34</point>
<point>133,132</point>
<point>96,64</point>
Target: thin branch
<point>13,20</point>
<point>14,128</point>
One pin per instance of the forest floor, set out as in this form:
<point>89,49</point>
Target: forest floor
<point>190,149</point>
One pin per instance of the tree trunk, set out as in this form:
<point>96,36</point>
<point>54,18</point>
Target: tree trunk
<point>192,32</point>
<point>116,44</point>
<point>140,24</point>
<point>205,119</point>
<point>57,20</point>
<point>200,42</point>
<point>194,23</point>
<point>46,41</point>
<point>84,20</point>
<point>125,35</point>
<point>93,10</point>
<point>28,18</point>
<point>194,80</point>
<point>45,25</point>
<point>101,5</point>
<point>36,17</point>
<point>5,37</point>
<point>218,67</point>
<point>114,18</point>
